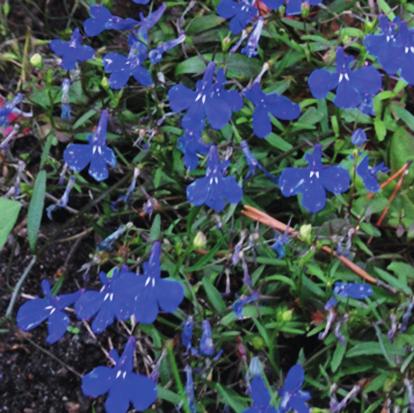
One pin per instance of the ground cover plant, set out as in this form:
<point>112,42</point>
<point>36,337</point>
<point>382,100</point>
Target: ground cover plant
<point>206,206</point>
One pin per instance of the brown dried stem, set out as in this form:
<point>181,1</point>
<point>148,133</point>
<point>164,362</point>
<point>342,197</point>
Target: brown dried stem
<point>271,222</point>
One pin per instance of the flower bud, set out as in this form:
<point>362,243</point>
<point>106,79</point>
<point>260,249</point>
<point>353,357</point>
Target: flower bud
<point>36,60</point>
<point>200,240</point>
<point>305,233</point>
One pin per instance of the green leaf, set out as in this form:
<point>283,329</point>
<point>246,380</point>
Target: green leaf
<point>401,151</point>
<point>84,118</point>
<point>34,215</point>
<point>386,9</point>
<point>403,114</point>
<point>278,142</point>
<point>380,129</point>
<point>231,398</point>
<point>203,23</point>
<point>338,356</point>
<point>214,296</point>
<point>155,228</point>
<point>9,211</point>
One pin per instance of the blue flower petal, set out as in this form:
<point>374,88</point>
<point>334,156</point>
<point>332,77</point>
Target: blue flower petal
<point>104,318</point>
<point>261,122</point>
<point>231,190</point>
<point>293,7</point>
<point>146,306</point>
<point>57,325</point>
<point>218,112</point>
<point>32,313</point>
<point>88,304</point>
<point>282,107</point>
<point>96,23</point>
<point>366,80</point>
<point>347,96</point>
<point>98,168</point>
<point>169,293</point>
<point>259,392</point>
<point>147,393</point>
<point>180,97</point>
<point>117,401</point>
<point>292,181</point>
<point>117,80</point>
<point>335,179</point>
<point>313,197</point>
<point>197,192</point>
<point>77,156</point>
<point>321,82</point>
<point>294,379</point>
<point>113,62</point>
<point>97,382</point>
<point>227,8</point>
<point>142,76</point>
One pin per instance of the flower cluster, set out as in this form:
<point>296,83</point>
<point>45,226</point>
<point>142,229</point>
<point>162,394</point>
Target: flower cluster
<point>393,47</point>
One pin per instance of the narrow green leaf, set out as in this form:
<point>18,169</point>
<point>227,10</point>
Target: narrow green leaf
<point>338,356</point>
<point>155,228</point>
<point>34,215</point>
<point>231,398</point>
<point>9,211</point>
<point>213,296</point>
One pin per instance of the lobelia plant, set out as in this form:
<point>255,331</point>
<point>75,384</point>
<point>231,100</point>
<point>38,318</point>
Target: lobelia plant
<point>214,119</point>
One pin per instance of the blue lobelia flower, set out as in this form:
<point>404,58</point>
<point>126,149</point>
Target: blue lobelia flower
<point>192,145</point>
<point>65,100</point>
<point>240,13</point>
<point>8,109</point>
<point>206,347</point>
<point>357,291</point>
<point>124,387</point>
<point>155,55</point>
<point>242,301</point>
<point>96,152</point>
<point>367,104</point>
<point>406,61</point>
<point>152,293</point>
<point>210,100</point>
<point>32,313</point>
<point>146,23</point>
<point>101,19</point>
<point>72,51</point>
<point>253,163</point>
<point>141,1</point>
<point>260,397</point>
<point>359,137</point>
<point>281,239</point>
<point>113,301</point>
<point>368,174</point>
<point>62,202</point>
<point>121,68</point>
<point>265,104</point>
<point>187,333</point>
<point>386,46</point>
<point>215,190</point>
<point>250,50</point>
<point>189,389</point>
<point>313,181</point>
<point>291,395</point>
<point>351,85</point>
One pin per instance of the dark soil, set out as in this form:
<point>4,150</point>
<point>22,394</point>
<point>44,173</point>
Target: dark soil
<point>36,377</point>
